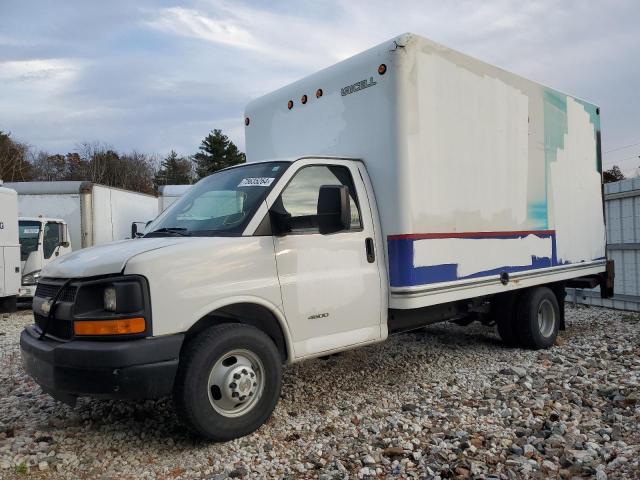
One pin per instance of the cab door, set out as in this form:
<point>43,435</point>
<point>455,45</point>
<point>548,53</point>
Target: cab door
<point>53,241</point>
<point>330,283</point>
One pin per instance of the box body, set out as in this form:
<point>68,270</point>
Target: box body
<point>95,213</point>
<point>477,172</point>
<point>9,246</point>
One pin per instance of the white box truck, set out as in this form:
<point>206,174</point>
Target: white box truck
<point>407,185</point>
<point>9,250</point>
<point>58,217</point>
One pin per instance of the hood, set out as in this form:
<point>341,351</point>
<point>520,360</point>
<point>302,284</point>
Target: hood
<point>104,259</point>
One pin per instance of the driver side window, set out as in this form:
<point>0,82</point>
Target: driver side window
<point>300,197</point>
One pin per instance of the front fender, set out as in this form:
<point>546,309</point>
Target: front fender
<point>273,308</point>
<point>190,279</point>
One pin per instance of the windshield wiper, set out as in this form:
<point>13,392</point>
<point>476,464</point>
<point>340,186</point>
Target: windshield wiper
<point>180,232</point>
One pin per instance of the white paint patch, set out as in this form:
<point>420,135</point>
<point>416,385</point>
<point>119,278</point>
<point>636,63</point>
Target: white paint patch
<point>472,148</point>
<point>575,183</point>
<point>478,255</point>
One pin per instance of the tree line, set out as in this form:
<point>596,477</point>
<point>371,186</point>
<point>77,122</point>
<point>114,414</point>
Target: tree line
<point>99,163</point>
<point>137,171</point>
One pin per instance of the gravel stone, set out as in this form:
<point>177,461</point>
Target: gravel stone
<point>441,402</point>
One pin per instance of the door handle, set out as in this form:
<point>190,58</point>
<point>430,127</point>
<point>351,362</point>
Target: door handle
<point>371,254</point>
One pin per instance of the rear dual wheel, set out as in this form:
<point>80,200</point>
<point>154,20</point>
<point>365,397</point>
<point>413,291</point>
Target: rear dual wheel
<point>531,321</point>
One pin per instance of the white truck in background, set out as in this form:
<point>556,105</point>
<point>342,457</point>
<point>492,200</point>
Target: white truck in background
<point>407,185</point>
<point>9,250</point>
<point>59,217</point>
<point>168,194</point>
<point>42,240</point>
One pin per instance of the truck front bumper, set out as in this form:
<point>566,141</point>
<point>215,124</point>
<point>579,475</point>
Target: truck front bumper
<point>142,368</point>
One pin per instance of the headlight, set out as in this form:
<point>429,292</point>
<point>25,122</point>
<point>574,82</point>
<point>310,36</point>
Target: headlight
<point>120,296</point>
<point>31,278</point>
<point>110,299</point>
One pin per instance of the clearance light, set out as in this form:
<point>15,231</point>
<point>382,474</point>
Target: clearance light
<point>109,327</point>
<point>246,121</point>
<point>382,69</point>
<point>318,93</point>
<point>303,100</point>
<point>290,104</point>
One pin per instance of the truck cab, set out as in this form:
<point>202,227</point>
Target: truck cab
<point>42,240</point>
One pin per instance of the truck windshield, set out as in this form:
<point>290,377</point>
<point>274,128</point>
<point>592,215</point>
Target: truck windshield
<point>29,234</point>
<point>220,204</point>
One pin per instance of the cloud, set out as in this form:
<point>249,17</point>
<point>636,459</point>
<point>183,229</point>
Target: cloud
<point>50,72</point>
<point>192,23</point>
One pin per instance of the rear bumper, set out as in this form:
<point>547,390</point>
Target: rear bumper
<point>143,368</point>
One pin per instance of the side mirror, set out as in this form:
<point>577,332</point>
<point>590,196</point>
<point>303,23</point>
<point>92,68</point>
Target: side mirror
<point>63,240</point>
<point>134,229</point>
<point>334,209</point>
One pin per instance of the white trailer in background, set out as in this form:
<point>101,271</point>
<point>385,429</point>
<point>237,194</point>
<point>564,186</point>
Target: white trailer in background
<point>168,194</point>
<point>93,214</point>
<point>9,250</point>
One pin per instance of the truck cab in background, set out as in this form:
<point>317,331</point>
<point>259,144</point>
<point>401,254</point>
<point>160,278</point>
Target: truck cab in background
<point>42,240</point>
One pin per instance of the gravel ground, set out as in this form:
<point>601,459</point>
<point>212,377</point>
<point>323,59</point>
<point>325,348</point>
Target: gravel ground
<point>442,402</point>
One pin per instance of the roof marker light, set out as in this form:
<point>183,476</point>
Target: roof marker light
<point>318,93</point>
<point>303,100</point>
<point>246,121</point>
<point>290,104</point>
<point>382,69</point>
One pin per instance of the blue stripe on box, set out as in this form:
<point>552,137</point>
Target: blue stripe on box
<point>402,273</point>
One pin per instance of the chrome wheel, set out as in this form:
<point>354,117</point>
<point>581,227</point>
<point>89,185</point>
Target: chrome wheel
<point>546,318</point>
<point>236,382</point>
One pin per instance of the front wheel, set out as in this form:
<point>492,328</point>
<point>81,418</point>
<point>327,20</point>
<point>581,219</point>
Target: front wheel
<point>228,381</point>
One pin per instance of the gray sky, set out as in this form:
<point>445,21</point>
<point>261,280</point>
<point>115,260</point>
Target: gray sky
<point>158,75</point>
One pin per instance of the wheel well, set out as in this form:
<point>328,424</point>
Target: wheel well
<point>558,289</point>
<point>249,314</point>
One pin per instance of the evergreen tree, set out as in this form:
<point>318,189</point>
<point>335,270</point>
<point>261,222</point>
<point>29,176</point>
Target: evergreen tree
<point>14,163</point>
<point>174,170</point>
<point>612,175</point>
<point>216,152</point>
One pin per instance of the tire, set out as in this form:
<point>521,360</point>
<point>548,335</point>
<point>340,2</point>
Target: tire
<point>538,318</point>
<point>503,310</point>
<point>224,356</point>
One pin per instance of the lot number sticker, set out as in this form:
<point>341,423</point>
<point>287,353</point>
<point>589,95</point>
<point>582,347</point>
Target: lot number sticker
<point>256,182</point>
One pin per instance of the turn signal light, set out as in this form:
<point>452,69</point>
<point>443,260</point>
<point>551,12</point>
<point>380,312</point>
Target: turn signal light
<point>122,326</point>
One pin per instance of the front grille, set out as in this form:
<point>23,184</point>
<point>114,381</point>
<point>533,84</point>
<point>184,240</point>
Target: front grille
<point>57,327</point>
<point>48,290</point>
